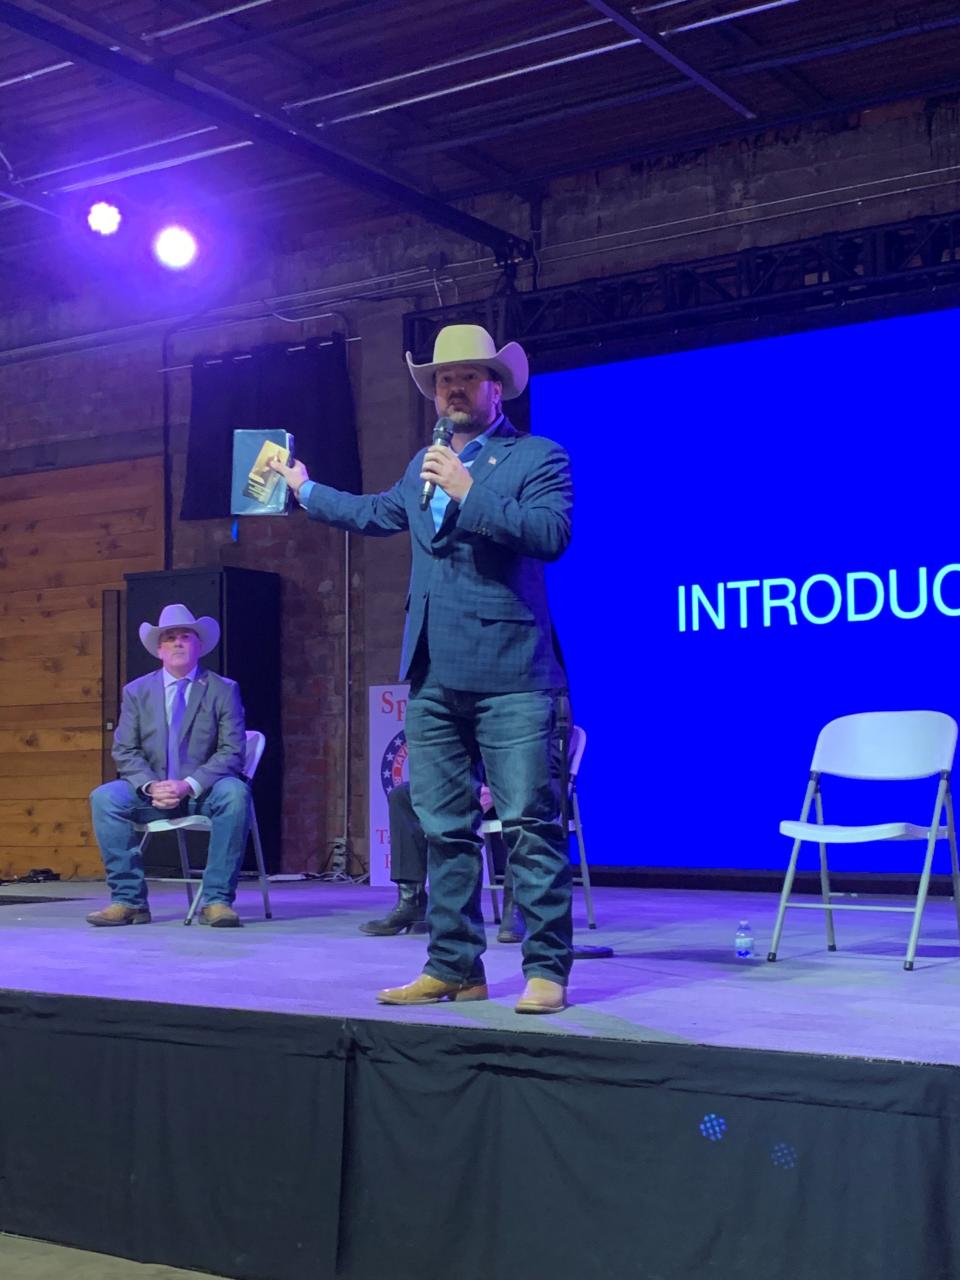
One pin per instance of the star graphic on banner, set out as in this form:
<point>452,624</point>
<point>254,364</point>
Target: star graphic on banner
<point>391,765</point>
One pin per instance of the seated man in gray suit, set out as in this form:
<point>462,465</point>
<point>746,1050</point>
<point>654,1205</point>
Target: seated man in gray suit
<point>179,749</point>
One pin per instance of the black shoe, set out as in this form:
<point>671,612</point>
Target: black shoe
<point>512,927</point>
<point>408,916</point>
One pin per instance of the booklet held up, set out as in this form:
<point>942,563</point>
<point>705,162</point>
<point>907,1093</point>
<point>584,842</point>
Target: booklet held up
<point>257,490</point>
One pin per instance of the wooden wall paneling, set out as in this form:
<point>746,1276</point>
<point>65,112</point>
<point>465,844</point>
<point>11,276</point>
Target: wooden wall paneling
<point>66,540</point>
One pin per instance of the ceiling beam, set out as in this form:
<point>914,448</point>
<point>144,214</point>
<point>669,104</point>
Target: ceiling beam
<point>848,43</point>
<point>260,124</point>
<point>9,190</point>
<point>739,39</point>
<point>685,143</point>
<point>240,35</point>
<point>771,62</point>
<point>621,15</point>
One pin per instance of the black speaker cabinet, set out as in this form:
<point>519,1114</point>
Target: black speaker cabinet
<point>246,603</point>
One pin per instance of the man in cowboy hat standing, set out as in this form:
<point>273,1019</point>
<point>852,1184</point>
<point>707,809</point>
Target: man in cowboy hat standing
<point>179,748</point>
<point>479,652</point>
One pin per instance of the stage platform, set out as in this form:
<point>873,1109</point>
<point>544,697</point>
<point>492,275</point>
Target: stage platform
<point>673,977</point>
<point>236,1101</point>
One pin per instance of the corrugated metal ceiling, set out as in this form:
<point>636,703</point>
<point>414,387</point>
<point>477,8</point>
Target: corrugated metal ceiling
<point>442,99</point>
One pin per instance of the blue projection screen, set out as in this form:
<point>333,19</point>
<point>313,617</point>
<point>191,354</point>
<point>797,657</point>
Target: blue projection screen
<point>765,537</point>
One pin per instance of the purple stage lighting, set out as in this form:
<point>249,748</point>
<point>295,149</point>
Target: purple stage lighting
<point>103,218</point>
<point>175,247</point>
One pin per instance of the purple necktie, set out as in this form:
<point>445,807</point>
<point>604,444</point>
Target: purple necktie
<point>177,712</point>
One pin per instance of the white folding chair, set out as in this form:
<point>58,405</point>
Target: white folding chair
<point>876,746</point>
<point>491,827</point>
<point>254,750</point>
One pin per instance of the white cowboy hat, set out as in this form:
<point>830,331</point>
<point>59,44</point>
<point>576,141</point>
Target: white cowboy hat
<point>471,344</point>
<point>178,615</point>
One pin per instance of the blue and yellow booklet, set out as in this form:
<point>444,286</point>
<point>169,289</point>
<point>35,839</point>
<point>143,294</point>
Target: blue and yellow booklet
<point>256,490</point>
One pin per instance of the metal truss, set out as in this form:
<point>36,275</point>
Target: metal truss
<point>901,260</point>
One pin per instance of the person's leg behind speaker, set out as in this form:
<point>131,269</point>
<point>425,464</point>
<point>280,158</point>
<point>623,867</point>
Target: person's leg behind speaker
<point>511,927</point>
<point>408,870</point>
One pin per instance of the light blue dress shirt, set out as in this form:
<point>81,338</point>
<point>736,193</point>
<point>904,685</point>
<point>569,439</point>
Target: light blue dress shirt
<point>467,455</point>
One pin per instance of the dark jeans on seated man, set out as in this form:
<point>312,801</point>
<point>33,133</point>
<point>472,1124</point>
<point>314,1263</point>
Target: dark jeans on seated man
<point>408,871</point>
<point>118,809</point>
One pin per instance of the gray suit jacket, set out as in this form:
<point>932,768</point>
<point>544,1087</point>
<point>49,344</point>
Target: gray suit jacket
<point>213,742</point>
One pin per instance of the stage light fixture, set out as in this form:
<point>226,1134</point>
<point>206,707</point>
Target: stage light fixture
<point>104,218</point>
<point>175,247</point>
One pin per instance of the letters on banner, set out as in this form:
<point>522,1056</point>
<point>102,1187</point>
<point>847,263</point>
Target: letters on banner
<point>387,760</point>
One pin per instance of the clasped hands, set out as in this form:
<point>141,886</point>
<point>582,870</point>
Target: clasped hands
<point>168,794</point>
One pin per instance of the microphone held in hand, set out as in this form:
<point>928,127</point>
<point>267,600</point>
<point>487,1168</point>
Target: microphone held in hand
<point>442,434</point>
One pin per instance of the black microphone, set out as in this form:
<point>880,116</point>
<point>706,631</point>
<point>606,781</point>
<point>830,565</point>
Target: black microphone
<point>442,434</point>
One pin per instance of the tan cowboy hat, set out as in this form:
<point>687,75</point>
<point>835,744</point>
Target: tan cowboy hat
<point>471,344</point>
<point>178,615</point>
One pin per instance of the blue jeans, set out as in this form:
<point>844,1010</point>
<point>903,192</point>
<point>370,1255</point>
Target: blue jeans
<point>117,807</point>
<point>514,734</point>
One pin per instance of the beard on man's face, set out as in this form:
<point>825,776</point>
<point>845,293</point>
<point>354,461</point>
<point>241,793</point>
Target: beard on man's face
<point>459,410</point>
<point>471,416</point>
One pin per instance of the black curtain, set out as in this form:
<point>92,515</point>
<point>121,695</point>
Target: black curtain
<point>270,1146</point>
<point>305,391</point>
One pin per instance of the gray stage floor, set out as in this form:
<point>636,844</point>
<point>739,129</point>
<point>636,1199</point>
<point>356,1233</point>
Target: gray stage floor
<point>36,1260</point>
<point>674,976</point>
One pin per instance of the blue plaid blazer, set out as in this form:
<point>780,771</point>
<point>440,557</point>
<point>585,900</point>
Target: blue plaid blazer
<point>477,585</point>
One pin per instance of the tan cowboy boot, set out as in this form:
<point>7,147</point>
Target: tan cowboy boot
<point>427,990</point>
<point>540,995</point>
<point>118,913</point>
<point>219,916</point>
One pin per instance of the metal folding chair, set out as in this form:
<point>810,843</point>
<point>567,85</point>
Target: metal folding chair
<point>254,750</point>
<point>876,746</point>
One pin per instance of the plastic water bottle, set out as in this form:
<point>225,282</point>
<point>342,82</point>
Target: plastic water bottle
<point>743,941</point>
